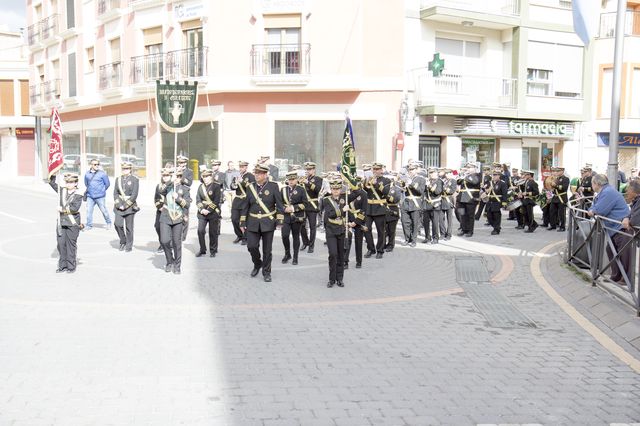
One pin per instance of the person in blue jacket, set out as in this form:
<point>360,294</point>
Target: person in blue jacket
<point>97,183</point>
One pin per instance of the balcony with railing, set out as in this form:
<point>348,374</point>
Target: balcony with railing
<point>107,10</point>
<point>51,90</point>
<point>608,24</point>
<point>110,76</point>
<point>35,94</point>
<point>187,63</point>
<point>457,90</point>
<point>281,63</point>
<point>49,27</point>
<point>498,14</point>
<point>147,68</point>
<point>34,34</point>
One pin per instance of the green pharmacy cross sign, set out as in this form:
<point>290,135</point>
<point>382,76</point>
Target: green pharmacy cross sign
<point>176,103</point>
<point>437,65</point>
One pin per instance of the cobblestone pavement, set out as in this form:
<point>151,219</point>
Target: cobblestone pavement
<point>121,342</point>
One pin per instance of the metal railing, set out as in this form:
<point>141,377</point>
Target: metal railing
<point>280,59</point>
<point>51,90</point>
<point>49,27</point>
<point>147,68</point>
<point>110,75</point>
<point>608,24</point>
<point>499,7</point>
<point>104,6</point>
<point>458,89</point>
<point>35,94</point>
<point>187,63</point>
<point>600,247</point>
<point>34,34</point>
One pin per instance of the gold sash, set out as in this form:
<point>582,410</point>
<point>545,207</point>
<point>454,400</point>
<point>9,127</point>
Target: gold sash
<point>260,203</point>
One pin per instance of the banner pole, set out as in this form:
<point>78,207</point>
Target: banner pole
<point>175,153</point>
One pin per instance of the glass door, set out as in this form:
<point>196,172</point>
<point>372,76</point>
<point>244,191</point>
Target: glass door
<point>194,60</point>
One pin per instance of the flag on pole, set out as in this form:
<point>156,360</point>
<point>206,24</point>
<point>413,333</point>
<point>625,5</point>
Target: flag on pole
<point>348,161</point>
<point>585,19</point>
<point>55,143</point>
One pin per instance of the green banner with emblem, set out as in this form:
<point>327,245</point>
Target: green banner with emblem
<point>176,104</point>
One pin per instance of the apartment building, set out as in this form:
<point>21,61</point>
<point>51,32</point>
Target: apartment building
<point>510,83</point>
<point>275,77</point>
<point>17,141</point>
<point>596,140</point>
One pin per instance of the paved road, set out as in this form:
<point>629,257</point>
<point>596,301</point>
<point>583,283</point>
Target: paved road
<point>407,341</point>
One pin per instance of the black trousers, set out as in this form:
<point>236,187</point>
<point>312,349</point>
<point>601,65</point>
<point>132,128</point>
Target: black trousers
<point>309,239</point>
<point>529,219</point>
<point>545,215</point>
<point>480,209</point>
<point>157,226</point>
<point>619,240</point>
<point>495,219</point>
<point>519,213</point>
<point>291,229</point>
<point>235,221</point>
<point>411,224</point>
<point>431,224</point>
<point>214,231</point>
<point>558,212</point>
<point>358,234</point>
<point>253,245</point>
<point>390,233</point>
<point>335,244</point>
<point>467,218</point>
<point>67,237</point>
<point>446,222</point>
<point>380,228</point>
<point>171,240</point>
<point>124,228</point>
<point>185,225</point>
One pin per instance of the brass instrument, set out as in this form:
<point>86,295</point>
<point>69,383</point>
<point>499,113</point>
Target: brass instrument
<point>550,183</point>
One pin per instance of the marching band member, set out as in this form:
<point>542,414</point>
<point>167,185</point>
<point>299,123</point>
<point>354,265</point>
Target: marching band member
<point>469,187</point>
<point>208,201</point>
<point>69,222</point>
<point>293,195</point>
<point>413,205</point>
<point>125,195</point>
<point>497,200</point>
<point>449,188</point>
<point>377,188</point>
<point>239,200</point>
<point>432,208</point>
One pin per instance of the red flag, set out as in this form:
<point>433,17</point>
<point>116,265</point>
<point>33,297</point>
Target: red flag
<point>55,143</point>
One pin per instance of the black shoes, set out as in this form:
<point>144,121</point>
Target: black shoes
<point>340,283</point>
<point>168,267</point>
<point>286,258</point>
<point>447,237</point>
<point>127,249</point>
<point>562,229</point>
<point>310,250</point>
<point>358,265</point>
<point>294,261</point>
<point>405,243</point>
<point>304,246</point>
<point>176,270</point>
<point>70,271</point>
<point>494,232</point>
<point>469,234</point>
<point>244,242</point>
<point>378,255</point>
<point>426,241</point>
<point>551,228</point>
<point>368,254</point>
<point>412,244</point>
<point>255,271</point>
<point>519,227</point>
<point>159,249</point>
<point>388,249</point>
<point>121,248</point>
<point>346,265</point>
<point>267,278</point>
<point>434,241</point>
<point>212,254</point>
<point>330,284</point>
<point>59,270</point>
<point>461,234</point>
<point>237,240</point>
<point>200,254</point>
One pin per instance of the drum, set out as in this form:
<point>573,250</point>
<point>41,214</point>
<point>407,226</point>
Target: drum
<point>514,204</point>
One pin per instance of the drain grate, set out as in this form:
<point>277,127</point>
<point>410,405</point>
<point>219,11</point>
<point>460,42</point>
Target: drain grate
<point>471,269</point>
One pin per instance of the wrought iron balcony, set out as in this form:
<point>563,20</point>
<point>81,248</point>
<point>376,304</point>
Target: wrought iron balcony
<point>104,6</point>
<point>110,75</point>
<point>51,90</point>
<point>608,24</point>
<point>49,27</point>
<point>465,90</point>
<point>35,94</point>
<point>280,59</point>
<point>34,34</point>
<point>187,63</point>
<point>147,68</point>
<point>496,7</point>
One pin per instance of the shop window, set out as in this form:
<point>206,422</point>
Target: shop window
<point>539,82</point>
<point>133,148</point>
<point>479,151</point>
<point>71,159</point>
<point>321,142</point>
<point>199,144</point>
<point>100,146</point>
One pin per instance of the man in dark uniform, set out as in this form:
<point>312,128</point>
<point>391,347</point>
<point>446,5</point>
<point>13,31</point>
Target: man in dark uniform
<point>69,222</point>
<point>413,204</point>
<point>159,200</point>
<point>511,182</point>
<point>208,203</point>
<point>274,172</point>
<point>357,223</point>
<point>585,188</point>
<point>262,211</point>
<point>187,180</point>
<point>394,199</point>
<point>432,208</point>
<point>216,173</point>
<point>125,195</point>
<point>173,219</point>
<point>469,187</point>
<point>497,193</point>
<point>529,195</point>
<point>239,200</point>
<point>313,189</point>
<point>486,181</point>
<point>293,195</point>
<point>335,212</point>
<point>558,210</point>
<point>449,187</point>
<point>377,188</point>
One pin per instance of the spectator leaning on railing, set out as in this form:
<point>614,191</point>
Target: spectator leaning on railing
<point>610,203</point>
<point>633,197</point>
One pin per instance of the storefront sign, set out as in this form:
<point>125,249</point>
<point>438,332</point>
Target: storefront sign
<point>184,11</point>
<point>25,133</point>
<point>176,104</point>
<point>625,140</point>
<point>539,128</point>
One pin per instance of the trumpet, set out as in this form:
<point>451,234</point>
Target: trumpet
<point>550,182</point>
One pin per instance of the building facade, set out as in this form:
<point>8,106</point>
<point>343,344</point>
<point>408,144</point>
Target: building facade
<point>501,80</point>
<point>275,77</point>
